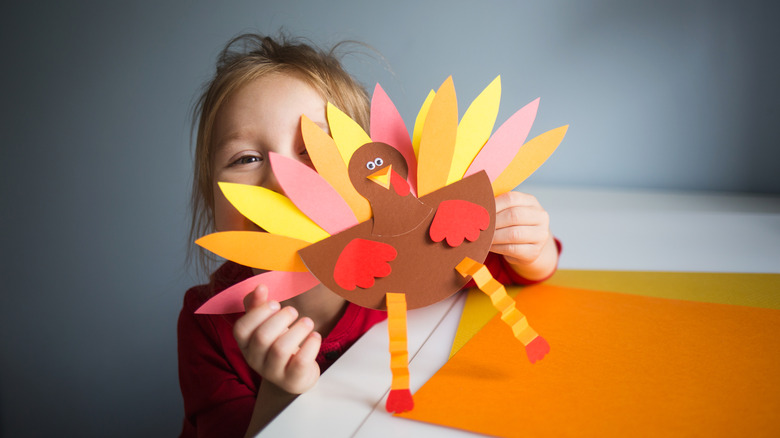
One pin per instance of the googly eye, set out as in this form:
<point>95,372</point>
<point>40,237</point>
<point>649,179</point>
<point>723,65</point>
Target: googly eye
<point>370,165</point>
<point>378,162</point>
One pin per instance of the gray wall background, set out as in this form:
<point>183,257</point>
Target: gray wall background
<point>96,159</point>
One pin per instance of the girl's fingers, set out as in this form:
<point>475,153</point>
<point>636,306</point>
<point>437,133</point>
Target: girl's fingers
<point>267,333</point>
<point>520,235</point>
<point>515,199</point>
<point>286,345</point>
<point>518,253</point>
<point>521,216</point>
<point>302,370</point>
<point>309,350</point>
<point>245,326</point>
<point>256,298</point>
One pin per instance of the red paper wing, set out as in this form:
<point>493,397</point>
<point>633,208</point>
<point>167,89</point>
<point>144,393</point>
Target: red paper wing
<point>361,262</point>
<point>457,220</point>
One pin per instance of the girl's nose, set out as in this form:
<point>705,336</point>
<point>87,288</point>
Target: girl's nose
<point>271,183</point>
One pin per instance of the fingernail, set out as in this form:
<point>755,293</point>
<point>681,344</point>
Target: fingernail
<point>307,322</point>
<point>274,305</point>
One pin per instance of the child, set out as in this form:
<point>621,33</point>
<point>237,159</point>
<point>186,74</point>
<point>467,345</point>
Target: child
<point>238,371</point>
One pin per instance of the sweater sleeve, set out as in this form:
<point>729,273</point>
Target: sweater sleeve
<point>218,389</point>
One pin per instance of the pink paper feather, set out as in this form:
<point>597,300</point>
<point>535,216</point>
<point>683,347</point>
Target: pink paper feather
<point>504,143</point>
<point>281,286</point>
<point>312,194</point>
<point>387,126</point>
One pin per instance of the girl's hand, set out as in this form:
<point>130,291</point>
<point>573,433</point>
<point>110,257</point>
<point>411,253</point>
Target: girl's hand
<point>282,350</point>
<point>523,235</point>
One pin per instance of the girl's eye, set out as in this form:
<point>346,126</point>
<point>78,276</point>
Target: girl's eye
<point>370,165</point>
<point>378,162</point>
<point>248,159</point>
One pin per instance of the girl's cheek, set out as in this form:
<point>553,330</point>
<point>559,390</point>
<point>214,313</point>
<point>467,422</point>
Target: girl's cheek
<point>227,218</point>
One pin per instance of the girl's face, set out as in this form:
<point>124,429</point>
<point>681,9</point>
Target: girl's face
<point>262,117</point>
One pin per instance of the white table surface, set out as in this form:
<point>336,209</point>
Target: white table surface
<point>600,229</point>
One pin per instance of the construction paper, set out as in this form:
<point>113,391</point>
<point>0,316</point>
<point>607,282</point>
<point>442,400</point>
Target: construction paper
<point>623,365</point>
<point>361,262</point>
<point>438,140</point>
<point>400,398</point>
<point>272,212</point>
<point>530,156</point>
<point>456,220</point>
<point>327,160</point>
<point>475,128</point>
<point>281,286</point>
<point>387,126</point>
<point>505,143</point>
<point>477,311</point>
<point>758,290</point>
<point>744,289</point>
<point>400,185</point>
<point>256,249</point>
<point>347,134</point>
<point>423,283</point>
<point>393,212</point>
<point>312,194</point>
<point>499,298</point>
<point>371,222</point>
<point>420,122</point>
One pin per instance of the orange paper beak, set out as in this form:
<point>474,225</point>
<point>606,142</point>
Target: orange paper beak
<point>382,176</point>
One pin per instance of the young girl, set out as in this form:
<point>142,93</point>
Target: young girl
<point>238,371</point>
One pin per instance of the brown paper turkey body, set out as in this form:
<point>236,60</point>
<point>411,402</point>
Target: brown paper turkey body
<point>394,251</point>
<point>386,221</point>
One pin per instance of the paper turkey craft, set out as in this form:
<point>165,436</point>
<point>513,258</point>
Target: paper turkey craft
<point>386,221</point>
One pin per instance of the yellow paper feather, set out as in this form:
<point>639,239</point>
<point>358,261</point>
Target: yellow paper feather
<point>420,122</point>
<point>530,156</point>
<point>272,212</point>
<point>474,129</point>
<point>347,134</point>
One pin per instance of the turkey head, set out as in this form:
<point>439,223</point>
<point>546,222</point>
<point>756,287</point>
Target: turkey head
<point>378,172</point>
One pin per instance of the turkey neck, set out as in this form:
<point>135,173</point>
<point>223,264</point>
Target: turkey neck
<point>395,215</point>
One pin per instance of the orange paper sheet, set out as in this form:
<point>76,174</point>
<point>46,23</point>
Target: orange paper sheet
<point>757,290</point>
<point>619,365</point>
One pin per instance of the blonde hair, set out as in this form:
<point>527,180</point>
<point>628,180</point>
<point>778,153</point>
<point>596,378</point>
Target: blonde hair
<point>244,59</point>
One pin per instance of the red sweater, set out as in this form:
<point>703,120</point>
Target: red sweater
<point>219,387</point>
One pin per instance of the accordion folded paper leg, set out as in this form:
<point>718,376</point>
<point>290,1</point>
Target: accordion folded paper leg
<point>536,347</point>
<point>281,286</point>
<point>400,397</point>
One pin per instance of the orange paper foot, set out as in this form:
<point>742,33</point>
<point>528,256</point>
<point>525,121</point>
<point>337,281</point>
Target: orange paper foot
<point>399,400</point>
<point>537,349</point>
